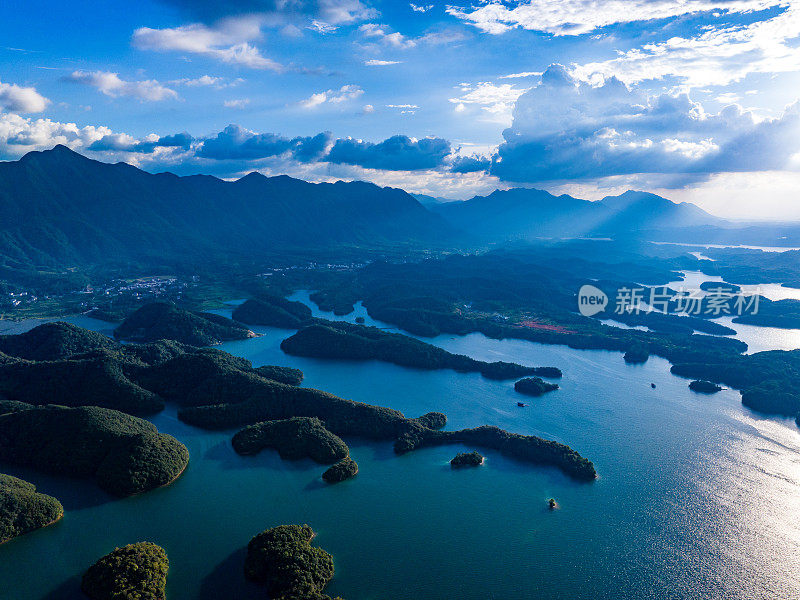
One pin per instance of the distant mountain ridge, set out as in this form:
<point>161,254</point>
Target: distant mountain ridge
<point>526,213</point>
<point>59,208</point>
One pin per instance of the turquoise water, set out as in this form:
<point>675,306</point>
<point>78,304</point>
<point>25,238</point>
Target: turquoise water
<point>697,497</point>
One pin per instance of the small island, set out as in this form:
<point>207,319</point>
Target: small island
<point>283,560</point>
<point>125,455</point>
<point>636,355</point>
<point>330,339</point>
<point>342,470</point>
<point>551,504</point>
<point>704,387</point>
<point>272,311</point>
<point>295,438</point>
<point>133,572</point>
<point>534,386</point>
<point>162,321</point>
<point>23,509</point>
<point>466,459</point>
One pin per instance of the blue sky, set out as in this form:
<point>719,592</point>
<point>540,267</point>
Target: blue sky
<point>694,99</point>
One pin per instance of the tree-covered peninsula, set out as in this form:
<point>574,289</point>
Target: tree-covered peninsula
<point>272,311</point>
<point>283,560</point>
<point>124,455</point>
<point>534,386</point>
<point>23,509</point>
<point>133,572</point>
<point>295,438</point>
<point>262,400</point>
<point>133,378</point>
<point>329,339</point>
<point>162,321</point>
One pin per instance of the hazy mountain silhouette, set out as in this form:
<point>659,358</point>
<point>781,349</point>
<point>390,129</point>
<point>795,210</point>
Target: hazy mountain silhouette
<point>525,213</point>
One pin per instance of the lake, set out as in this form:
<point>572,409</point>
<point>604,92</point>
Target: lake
<point>697,496</point>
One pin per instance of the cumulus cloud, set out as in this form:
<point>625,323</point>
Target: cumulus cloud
<point>17,99</point>
<point>238,103</point>
<point>229,41</point>
<point>110,84</point>
<point>423,8</point>
<point>576,17</point>
<point>19,135</point>
<point>237,143</point>
<point>567,129</point>
<point>343,94</point>
<point>397,153</point>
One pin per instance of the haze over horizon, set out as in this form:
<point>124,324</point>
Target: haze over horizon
<point>695,101</point>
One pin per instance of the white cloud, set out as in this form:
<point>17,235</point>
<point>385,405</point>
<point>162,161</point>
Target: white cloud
<point>17,99</point>
<point>421,8</point>
<point>110,84</point>
<point>718,56</point>
<point>322,27</point>
<point>496,100</point>
<point>381,63</point>
<point>19,135</point>
<point>368,109</point>
<point>566,129</point>
<point>240,103</point>
<point>228,41</point>
<point>381,33</point>
<point>521,75</point>
<point>576,17</point>
<point>343,94</point>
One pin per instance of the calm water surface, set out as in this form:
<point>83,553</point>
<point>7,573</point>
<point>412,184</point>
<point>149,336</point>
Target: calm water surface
<point>697,498</point>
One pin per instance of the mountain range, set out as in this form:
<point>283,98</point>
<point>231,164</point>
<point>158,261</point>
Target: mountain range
<point>59,209</point>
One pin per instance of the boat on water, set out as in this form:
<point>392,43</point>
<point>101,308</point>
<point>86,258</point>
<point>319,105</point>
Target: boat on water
<point>521,404</point>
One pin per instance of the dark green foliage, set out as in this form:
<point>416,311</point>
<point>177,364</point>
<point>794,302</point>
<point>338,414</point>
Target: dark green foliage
<point>54,341</point>
<point>329,339</point>
<point>433,420</point>
<point>466,459</point>
<point>272,311</point>
<point>124,454</point>
<point>284,561</point>
<point>344,469</point>
<point>523,447</point>
<point>704,387</point>
<point>637,355</point>
<point>784,314</point>
<point>95,380</point>
<point>9,406</point>
<point>133,572</point>
<point>23,509</point>
<point>285,375</point>
<point>162,321</point>
<point>534,386</point>
<point>769,381</point>
<point>295,438</point>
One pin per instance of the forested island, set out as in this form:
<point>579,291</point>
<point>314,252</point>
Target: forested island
<point>272,311</point>
<point>466,459</point>
<point>329,339</point>
<point>162,321</point>
<point>123,454</point>
<point>23,509</point>
<point>133,572</point>
<point>704,387</point>
<point>284,561</point>
<point>294,438</point>
<point>342,470</point>
<point>534,386</point>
